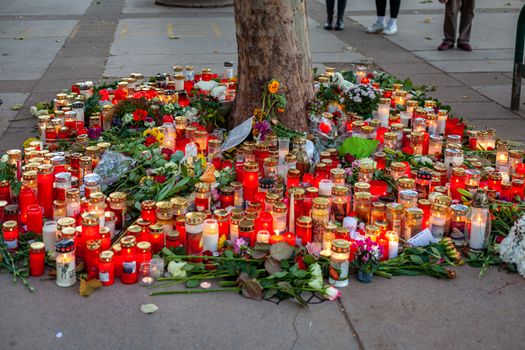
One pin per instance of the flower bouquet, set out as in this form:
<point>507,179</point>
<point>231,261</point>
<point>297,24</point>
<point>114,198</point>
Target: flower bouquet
<point>366,259</point>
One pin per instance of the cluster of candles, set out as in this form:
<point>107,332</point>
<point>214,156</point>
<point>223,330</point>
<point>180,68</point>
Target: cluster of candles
<point>68,120</point>
<point>279,195</point>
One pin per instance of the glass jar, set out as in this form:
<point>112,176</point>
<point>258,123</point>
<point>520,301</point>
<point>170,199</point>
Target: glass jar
<point>72,202</point>
<point>479,227</point>
<point>246,229</point>
<point>129,260</point>
<point>90,227</point>
<point>338,176</point>
<point>144,252</point>
<point>435,145</point>
<point>65,263</point>
<point>45,189</point>
<point>339,207</point>
<point>201,140</point>
<point>413,222</point>
<point>394,216</point>
<point>279,217</point>
<point>378,212</point>
<point>423,181</point>
<point>97,205</point>
<point>408,198</point>
<point>303,162</point>
<point>194,227</point>
<point>517,191</point>
<point>91,184</point>
<point>164,214</point>
<point>363,202</point>
<point>148,212</point>
<point>250,180</point>
<point>339,263</point>
<point>325,188</point>
<point>303,229</point>
<point>328,236</point>
<point>10,234</point>
<point>438,220</point>
<point>105,238</point>
<point>106,268</point>
<point>270,168</point>
<point>62,183</point>
<point>366,172</point>
<point>91,257</point>
<point>156,235</point>
<point>457,181</point>
<point>237,215</point>
<point>37,257</point>
<point>202,196</point>
<point>293,178</point>
<point>117,204</point>
<point>223,220</point>
<point>472,179</point>
<point>397,170</point>
<point>320,217</point>
<point>458,224</point>
<point>416,142</point>
<point>390,140</point>
<point>59,209</point>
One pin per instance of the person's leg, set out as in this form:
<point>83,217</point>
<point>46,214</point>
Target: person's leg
<point>341,5</point>
<point>379,24</point>
<point>391,27</point>
<point>450,23</point>
<point>465,24</point>
<point>329,14</point>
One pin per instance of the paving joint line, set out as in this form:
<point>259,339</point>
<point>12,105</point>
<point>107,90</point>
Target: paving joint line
<point>346,315</point>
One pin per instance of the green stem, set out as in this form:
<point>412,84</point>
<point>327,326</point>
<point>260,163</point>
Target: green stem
<point>192,291</point>
<point>213,258</point>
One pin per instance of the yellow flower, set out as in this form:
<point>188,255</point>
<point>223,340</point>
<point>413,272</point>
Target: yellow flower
<point>155,132</point>
<point>29,140</point>
<point>273,86</point>
<point>160,137</point>
<point>222,239</point>
<point>146,132</point>
<point>202,159</point>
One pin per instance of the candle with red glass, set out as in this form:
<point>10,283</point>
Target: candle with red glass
<point>156,237</point>
<point>35,219</point>
<point>25,199</point>
<point>44,180</point>
<point>117,258</point>
<point>90,227</point>
<point>303,229</point>
<point>223,219</point>
<point>105,238</point>
<point>144,253</point>
<point>250,180</point>
<point>5,191</point>
<point>289,238</point>
<point>194,227</point>
<point>129,260</point>
<point>37,256</point>
<point>202,196</point>
<point>148,211</point>
<point>91,257</point>
<point>227,196</point>
<point>264,222</point>
<point>457,180</point>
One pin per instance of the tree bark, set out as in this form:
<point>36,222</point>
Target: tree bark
<point>272,42</point>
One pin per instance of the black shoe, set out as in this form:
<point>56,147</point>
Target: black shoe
<point>328,25</point>
<point>339,25</point>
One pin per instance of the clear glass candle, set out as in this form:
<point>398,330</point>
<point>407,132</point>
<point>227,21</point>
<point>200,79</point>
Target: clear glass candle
<point>408,198</point>
<point>279,217</point>
<point>438,220</point>
<point>458,224</point>
<point>320,217</point>
<point>339,264</point>
<point>339,206</point>
<point>413,222</point>
<point>363,201</point>
<point>210,235</point>
<point>366,172</point>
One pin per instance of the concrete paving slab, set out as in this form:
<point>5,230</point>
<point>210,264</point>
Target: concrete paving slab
<point>500,93</point>
<point>507,129</point>
<point>47,7</point>
<point>487,78</point>
<point>482,110</point>
<point>11,29</point>
<point>16,85</point>
<point>213,321</point>
<point>6,114</point>
<point>403,70</point>
<point>149,7</point>
<point>486,31</point>
<point>460,55</point>
<point>474,66</point>
<point>448,94</point>
<point>408,5</point>
<point>434,79</point>
<point>466,313</point>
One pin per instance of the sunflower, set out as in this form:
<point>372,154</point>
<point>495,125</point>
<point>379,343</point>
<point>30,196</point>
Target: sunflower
<point>273,86</point>
<point>155,132</point>
<point>160,137</point>
<point>146,132</point>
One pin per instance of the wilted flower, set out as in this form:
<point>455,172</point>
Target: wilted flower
<point>262,128</point>
<point>176,269</point>
<point>313,249</point>
<point>331,293</point>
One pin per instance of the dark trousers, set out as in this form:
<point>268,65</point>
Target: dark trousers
<point>330,4</point>
<point>466,8</point>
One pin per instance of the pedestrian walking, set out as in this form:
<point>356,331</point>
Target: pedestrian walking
<point>330,4</point>
<point>379,25</point>
<point>466,9</point>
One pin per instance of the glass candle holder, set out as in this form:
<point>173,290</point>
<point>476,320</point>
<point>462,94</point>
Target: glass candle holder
<point>438,220</point>
<point>303,227</point>
<point>413,222</point>
<point>202,196</point>
<point>328,236</point>
<point>378,212</point>
<point>325,188</point>
<point>383,111</point>
<point>338,176</point>
<point>363,201</point>
<point>279,213</point>
<point>156,236</point>
<point>37,256</point>
<point>502,152</point>
<point>435,147</point>
<point>479,227</point>
<point>458,224</point>
<point>250,180</point>
<point>339,206</point>
<point>106,268</point>
<point>366,172</point>
<point>148,212</point>
<point>129,260</point>
<point>339,263</point>
<point>164,212</point>
<point>394,216</point>
<point>408,198</point>
<point>194,228</point>
<point>45,189</point>
<point>320,216</point>
<point>117,204</point>
<point>65,263</point>
<point>210,235</point>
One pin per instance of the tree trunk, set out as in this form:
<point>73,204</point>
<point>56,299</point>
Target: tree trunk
<point>272,41</point>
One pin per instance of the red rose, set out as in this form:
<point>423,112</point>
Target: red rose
<point>167,153</point>
<point>75,88</point>
<point>150,140</point>
<point>160,179</point>
<point>300,262</point>
<point>370,75</point>
<point>139,115</point>
<point>325,128</point>
<point>104,95</point>
<point>120,95</point>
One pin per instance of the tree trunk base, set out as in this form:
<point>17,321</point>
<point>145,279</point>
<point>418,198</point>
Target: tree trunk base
<point>195,3</point>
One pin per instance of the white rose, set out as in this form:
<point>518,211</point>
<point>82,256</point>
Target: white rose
<point>176,269</point>
<point>331,293</point>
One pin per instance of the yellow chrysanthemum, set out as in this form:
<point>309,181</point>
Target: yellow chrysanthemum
<point>273,86</point>
<point>29,140</point>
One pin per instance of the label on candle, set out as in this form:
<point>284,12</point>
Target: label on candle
<point>129,266</point>
<point>437,230</point>
<point>103,276</point>
<point>338,272</point>
<point>11,244</point>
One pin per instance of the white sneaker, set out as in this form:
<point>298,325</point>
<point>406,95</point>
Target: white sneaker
<point>390,29</point>
<point>377,27</point>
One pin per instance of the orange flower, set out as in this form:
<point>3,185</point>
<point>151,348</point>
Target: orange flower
<point>280,110</point>
<point>273,86</point>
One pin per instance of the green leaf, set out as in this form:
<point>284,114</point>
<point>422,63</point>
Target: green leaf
<point>272,266</point>
<point>358,147</point>
<point>416,259</point>
<point>300,273</point>
<point>281,251</point>
<point>228,253</point>
<point>270,293</point>
<point>280,274</point>
<point>192,283</point>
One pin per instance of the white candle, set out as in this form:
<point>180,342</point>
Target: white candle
<point>393,244</point>
<point>325,188</point>
<point>263,236</point>
<point>210,235</point>
<point>383,113</point>
<point>284,148</point>
<point>441,123</point>
<point>478,227</point>
<point>49,235</point>
<point>111,225</point>
<point>405,118</point>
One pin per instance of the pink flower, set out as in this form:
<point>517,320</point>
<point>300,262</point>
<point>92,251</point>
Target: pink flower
<point>331,293</point>
<point>238,244</point>
<point>313,249</point>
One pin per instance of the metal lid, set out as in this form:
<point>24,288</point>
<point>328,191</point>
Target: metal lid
<point>37,247</point>
<point>279,207</point>
<point>128,242</point>
<point>194,218</point>
<point>106,255</point>
<point>246,225</point>
<point>340,246</point>
<point>304,221</point>
<point>320,203</point>
<point>144,246</point>
<point>65,246</point>
<point>340,191</point>
<point>117,197</point>
<point>414,213</point>
<point>251,166</point>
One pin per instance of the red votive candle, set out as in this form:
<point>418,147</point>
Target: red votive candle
<point>35,219</point>
<point>156,237</point>
<point>44,181</point>
<point>250,180</point>
<point>25,199</point>
<point>91,258</point>
<point>148,211</point>
<point>303,228</point>
<point>117,259</point>
<point>37,256</point>
<point>106,268</point>
<point>143,253</point>
<point>129,260</point>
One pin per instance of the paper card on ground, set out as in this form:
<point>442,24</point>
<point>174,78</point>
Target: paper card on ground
<point>423,238</point>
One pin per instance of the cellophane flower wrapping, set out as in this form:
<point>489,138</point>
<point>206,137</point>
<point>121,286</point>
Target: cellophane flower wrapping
<point>111,166</point>
<point>512,248</point>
